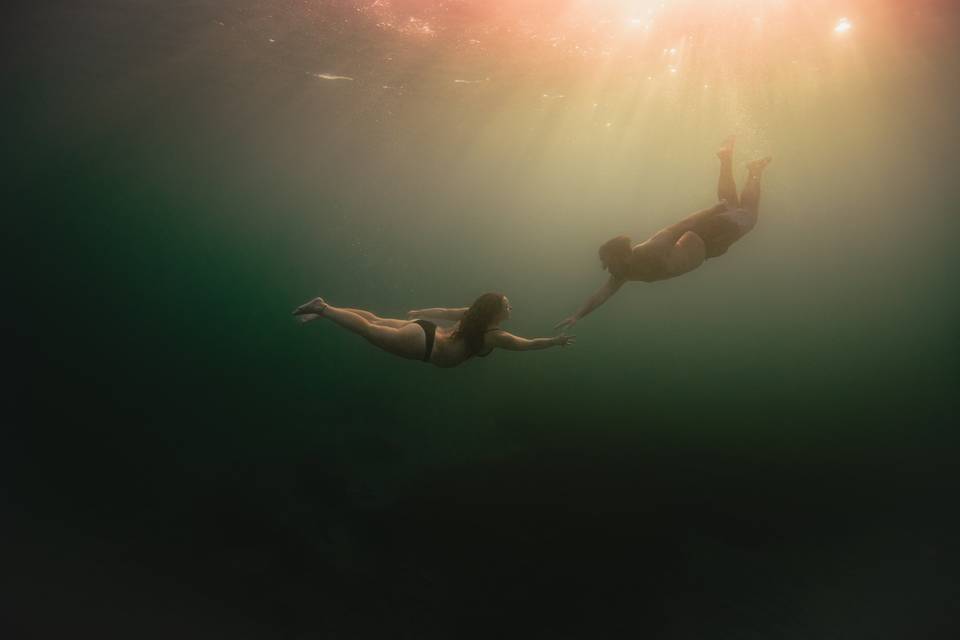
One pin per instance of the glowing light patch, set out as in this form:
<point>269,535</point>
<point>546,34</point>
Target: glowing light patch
<point>690,40</point>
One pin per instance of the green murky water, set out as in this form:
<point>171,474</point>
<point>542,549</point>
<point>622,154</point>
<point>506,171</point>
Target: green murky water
<point>181,178</point>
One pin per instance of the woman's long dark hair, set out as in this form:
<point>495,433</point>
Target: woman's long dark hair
<point>477,320</point>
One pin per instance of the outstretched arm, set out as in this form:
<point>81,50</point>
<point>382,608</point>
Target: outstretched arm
<point>438,313</point>
<point>610,287</point>
<point>505,340</point>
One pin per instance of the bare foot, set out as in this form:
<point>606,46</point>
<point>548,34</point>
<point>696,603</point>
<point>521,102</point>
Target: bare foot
<point>757,166</point>
<point>308,317</point>
<point>726,148</point>
<point>313,308</point>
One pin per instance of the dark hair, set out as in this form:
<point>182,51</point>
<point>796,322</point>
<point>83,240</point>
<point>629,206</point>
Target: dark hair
<point>615,253</point>
<point>477,320</point>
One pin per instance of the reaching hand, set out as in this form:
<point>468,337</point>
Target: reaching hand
<point>563,339</point>
<point>413,313</point>
<point>566,323</point>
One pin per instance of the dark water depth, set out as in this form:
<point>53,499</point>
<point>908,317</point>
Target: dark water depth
<point>763,448</point>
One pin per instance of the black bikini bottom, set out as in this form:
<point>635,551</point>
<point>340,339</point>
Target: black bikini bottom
<point>430,332</point>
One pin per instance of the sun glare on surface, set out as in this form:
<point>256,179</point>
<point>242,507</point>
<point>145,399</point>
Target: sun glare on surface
<point>699,33</point>
<point>635,59</point>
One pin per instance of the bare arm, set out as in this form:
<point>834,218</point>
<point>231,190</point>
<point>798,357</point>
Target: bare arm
<point>610,287</point>
<point>438,313</point>
<point>505,340</point>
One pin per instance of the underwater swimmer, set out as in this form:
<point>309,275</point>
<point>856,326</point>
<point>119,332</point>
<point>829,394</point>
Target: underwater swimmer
<point>684,246</point>
<point>475,330</point>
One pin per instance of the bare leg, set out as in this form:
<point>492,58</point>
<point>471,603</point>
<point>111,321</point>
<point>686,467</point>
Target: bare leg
<point>674,233</point>
<point>750,197</point>
<point>407,341</point>
<point>375,319</point>
<point>726,186</point>
<point>366,315</point>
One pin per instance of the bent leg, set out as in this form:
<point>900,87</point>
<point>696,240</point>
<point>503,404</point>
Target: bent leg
<point>675,232</point>
<point>407,341</point>
<point>750,197</point>
<point>726,186</point>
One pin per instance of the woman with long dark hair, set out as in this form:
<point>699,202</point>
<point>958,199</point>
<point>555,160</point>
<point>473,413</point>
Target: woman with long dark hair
<point>476,330</point>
